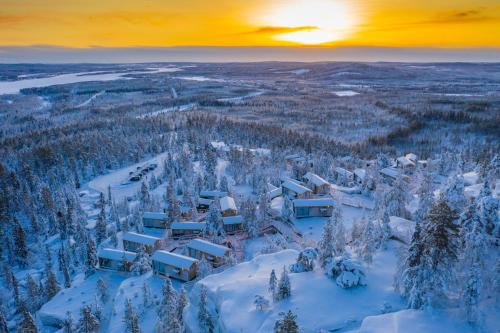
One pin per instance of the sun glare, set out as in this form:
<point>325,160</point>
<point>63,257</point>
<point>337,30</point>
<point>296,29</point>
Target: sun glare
<point>329,20</point>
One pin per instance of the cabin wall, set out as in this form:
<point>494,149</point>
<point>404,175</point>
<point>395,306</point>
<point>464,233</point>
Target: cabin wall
<point>155,223</point>
<point>300,212</point>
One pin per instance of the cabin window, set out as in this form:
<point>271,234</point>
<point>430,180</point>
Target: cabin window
<point>302,211</point>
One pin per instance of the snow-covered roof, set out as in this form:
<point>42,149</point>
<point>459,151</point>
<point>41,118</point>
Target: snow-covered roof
<point>286,178</point>
<point>401,228</point>
<point>315,179</point>
<point>213,194</point>
<point>404,161</point>
<point>139,238</point>
<point>412,157</point>
<point>154,215</point>
<point>390,172</point>
<point>270,187</point>
<point>188,225</point>
<point>208,247</point>
<point>174,259</point>
<point>344,172</point>
<point>295,158</point>
<point>114,254</point>
<point>274,193</point>
<point>227,203</point>
<point>318,202</point>
<point>470,178</point>
<point>205,201</point>
<point>232,219</point>
<point>360,173</point>
<point>297,188</point>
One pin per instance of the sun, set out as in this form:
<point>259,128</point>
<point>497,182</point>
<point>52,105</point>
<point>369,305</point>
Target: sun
<point>317,21</point>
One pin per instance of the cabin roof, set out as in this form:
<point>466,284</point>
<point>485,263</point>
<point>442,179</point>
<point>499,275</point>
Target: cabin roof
<point>232,219</point>
<point>403,160</point>
<point>227,203</point>
<point>139,238</point>
<point>390,172</point>
<point>297,188</point>
<point>205,201</point>
<point>319,202</point>
<point>114,254</point>
<point>154,215</point>
<point>208,247</point>
<point>343,172</point>
<point>315,179</point>
<point>361,173</point>
<point>188,225</point>
<point>174,259</point>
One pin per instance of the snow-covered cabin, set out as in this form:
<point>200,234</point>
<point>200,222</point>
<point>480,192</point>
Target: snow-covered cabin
<point>295,159</point>
<point>187,229</point>
<point>213,253</point>
<point>155,220</point>
<point>212,195</point>
<point>359,175</point>
<point>401,229</point>
<point>319,207</point>
<point>390,174</point>
<point>412,157</point>
<point>204,204</point>
<point>133,242</point>
<point>228,206</point>
<point>293,189</point>
<point>174,265</point>
<point>316,183</point>
<point>117,260</point>
<point>273,191</point>
<point>344,174</point>
<point>404,163</point>
<point>233,224</point>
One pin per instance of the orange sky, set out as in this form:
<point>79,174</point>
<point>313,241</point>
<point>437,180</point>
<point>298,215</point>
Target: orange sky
<point>84,23</point>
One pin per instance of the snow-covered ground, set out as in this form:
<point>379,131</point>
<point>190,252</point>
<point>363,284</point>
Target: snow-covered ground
<point>346,93</point>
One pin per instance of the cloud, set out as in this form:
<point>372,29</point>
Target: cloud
<point>265,30</point>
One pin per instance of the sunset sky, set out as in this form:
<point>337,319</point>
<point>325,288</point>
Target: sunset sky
<point>161,23</point>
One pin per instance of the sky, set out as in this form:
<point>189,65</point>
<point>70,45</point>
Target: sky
<point>87,24</point>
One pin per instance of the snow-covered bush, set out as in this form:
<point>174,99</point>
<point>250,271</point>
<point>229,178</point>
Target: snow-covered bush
<point>261,303</point>
<point>305,261</point>
<point>274,244</point>
<point>347,272</point>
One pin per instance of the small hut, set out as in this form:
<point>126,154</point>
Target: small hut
<point>133,242</point>
<point>117,260</point>
<point>174,265</point>
<point>214,253</point>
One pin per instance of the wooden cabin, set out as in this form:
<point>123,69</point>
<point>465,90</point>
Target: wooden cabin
<point>204,204</point>
<point>294,189</point>
<point>174,265</point>
<point>404,162</point>
<point>228,206</point>
<point>117,260</point>
<point>316,183</point>
<point>320,207</point>
<point>233,224</point>
<point>213,253</point>
<point>133,242</point>
<point>359,175</point>
<point>390,174</point>
<point>155,220</point>
<point>343,176</point>
<point>212,195</point>
<point>187,229</point>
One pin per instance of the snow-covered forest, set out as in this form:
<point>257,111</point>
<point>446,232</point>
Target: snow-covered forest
<point>250,197</point>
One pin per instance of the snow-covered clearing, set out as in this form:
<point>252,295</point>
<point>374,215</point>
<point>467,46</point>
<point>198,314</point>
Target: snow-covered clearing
<point>87,102</point>
<point>233,291</point>
<point>184,107</point>
<point>14,87</point>
<point>346,93</point>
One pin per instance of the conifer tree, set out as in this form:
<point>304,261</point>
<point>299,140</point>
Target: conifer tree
<point>167,321</point>
<point>131,318</point>
<point>33,294</point>
<point>286,210</point>
<point>91,258</point>
<point>273,285</point>
<point>101,228</point>
<point>284,288</point>
<point>68,323</point>
<point>27,324</point>
<point>21,248</point>
<point>326,244</point>
<point>204,318</point>
<point>88,322</point>
<point>3,323</point>
<point>182,302</point>
<point>287,324</point>
<point>51,285</point>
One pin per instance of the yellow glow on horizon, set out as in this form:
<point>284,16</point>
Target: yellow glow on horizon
<point>330,20</point>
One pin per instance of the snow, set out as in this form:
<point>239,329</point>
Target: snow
<point>204,201</point>
<point>114,254</point>
<point>319,202</point>
<point>470,178</point>
<point>140,238</point>
<point>154,215</point>
<point>232,219</point>
<point>300,71</point>
<point>401,228</point>
<point>173,259</point>
<point>14,87</point>
<point>390,172</point>
<point>199,78</point>
<point>343,172</point>
<point>413,321</point>
<point>212,194</point>
<point>188,225</point>
<point>360,173</point>
<point>240,98</point>
<point>346,93</point>
<point>315,179</point>
<point>184,107</point>
<point>405,162</point>
<point>233,291</point>
<point>88,101</point>
<point>227,203</point>
<point>208,247</point>
<point>295,187</point>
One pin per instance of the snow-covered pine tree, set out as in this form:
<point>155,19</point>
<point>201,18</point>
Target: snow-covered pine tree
<point>90,258</point>
<point>3,323</point>
<point>454,192</point>
<point>204,318</point>
<point>214,225</point>
<point>326,246</point>
<point>369,242</point>
<point>20,245</point>
<point>102,290</point>
<point>385,228</point>
<point>488,210</point>
<point>33,294</point>
<point>396,199</point>
<point>182,302</point>
<point>471,294</point>
<point>168,321</point>
<point>284,287</point>
<point>286,210</point>
<point>273,285</point>
<point>248,210</point>
<point>68,323</point>
<point>204,268</point>
<point>88,322</point>
<point>51,284</point>
<point>142,262</point>
<point>260,303</point>
<point>147,299</point>
<point>27,324</point>
<point>144,196</point>
<point>287,324</point>
<point>131,318</point>
<point>63,263</point>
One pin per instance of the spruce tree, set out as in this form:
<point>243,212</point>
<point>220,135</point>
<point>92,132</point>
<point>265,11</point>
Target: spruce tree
<point>51,285</point>
<point>204,318</point>
<point>20,248</point>
<point>27,324</point>
<point>100,228</point>
<point>284,287</point>
<point>131,318</point>
<point>326,244</point>
<point>3,323</point>
<point>287,324</point>
<point>167,321</point>
<point>182,302</point>
<point>273,285</point>
<point>90,258</point>
<point>68,323</point>
<point>88,322</point>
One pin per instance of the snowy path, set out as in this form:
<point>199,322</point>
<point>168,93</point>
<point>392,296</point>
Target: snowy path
<point>87,102</point>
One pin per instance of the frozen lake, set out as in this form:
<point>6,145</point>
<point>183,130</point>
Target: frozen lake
<point>14,87</point>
